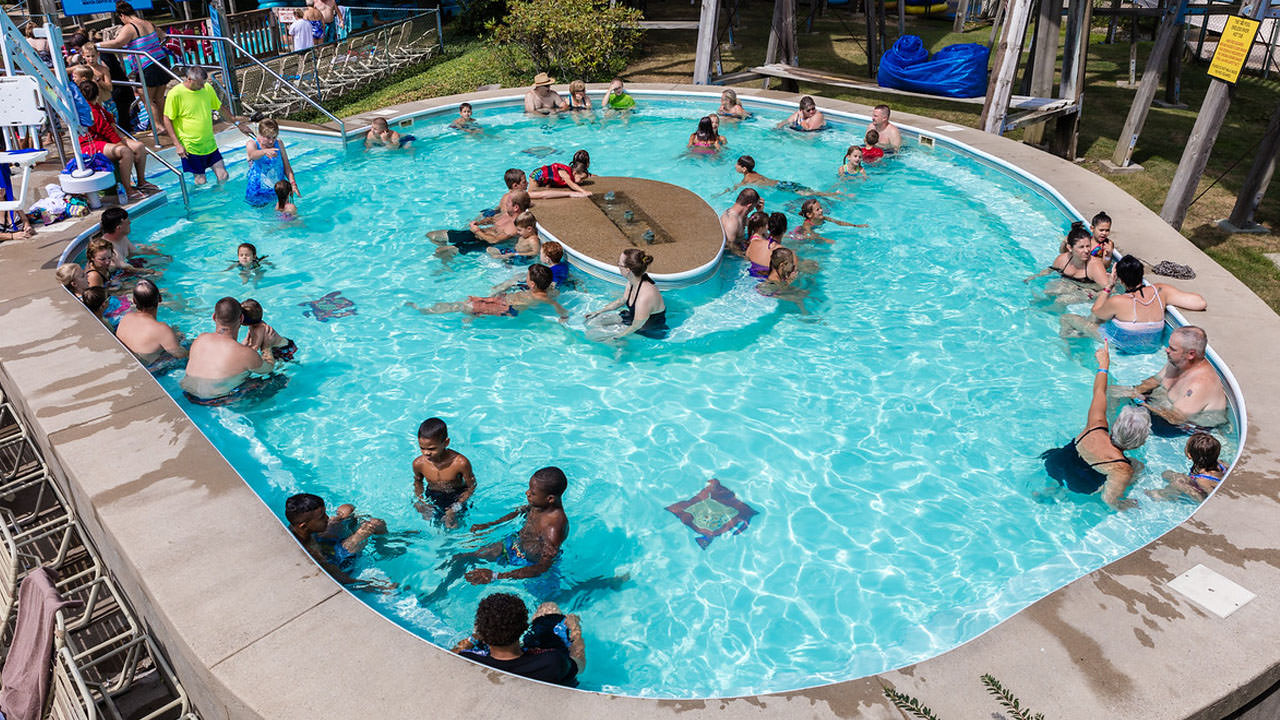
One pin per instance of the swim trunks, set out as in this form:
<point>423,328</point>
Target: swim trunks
<point>442,500</point>
<point>199,164</point>
<point>511,552</point>
<point>406,139</point>
<point>285,352</point>
<point>466,241</point>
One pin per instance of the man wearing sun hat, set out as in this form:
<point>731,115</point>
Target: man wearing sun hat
<point>541,98</point>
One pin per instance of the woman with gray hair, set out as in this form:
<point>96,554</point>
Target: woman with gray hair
<point>1093,459</point>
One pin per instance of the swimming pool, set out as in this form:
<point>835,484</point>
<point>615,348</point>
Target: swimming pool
<point>875,436</point>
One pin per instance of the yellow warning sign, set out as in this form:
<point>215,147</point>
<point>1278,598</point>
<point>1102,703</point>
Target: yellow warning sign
<point>1233,48</point>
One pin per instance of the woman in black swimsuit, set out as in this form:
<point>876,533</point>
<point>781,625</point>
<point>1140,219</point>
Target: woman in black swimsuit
<point>1093,459</point>
<point>645,312</point>
<point>1076,264</point>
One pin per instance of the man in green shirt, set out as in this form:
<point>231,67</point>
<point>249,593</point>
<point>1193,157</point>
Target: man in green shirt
<point>188,117</point>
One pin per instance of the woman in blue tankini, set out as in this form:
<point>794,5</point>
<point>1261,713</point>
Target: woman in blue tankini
<point>268,165</point>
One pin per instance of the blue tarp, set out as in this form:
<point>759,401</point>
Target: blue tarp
<point>954,71</point>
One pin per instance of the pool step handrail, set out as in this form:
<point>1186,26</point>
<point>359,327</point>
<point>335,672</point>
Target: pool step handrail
<point>182,180</point>
<point>142,82</point>
<point>342,127</point>
<point>21,57</point>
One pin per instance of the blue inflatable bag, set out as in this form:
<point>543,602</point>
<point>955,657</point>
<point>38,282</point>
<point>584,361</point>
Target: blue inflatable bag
<point>954,71</point>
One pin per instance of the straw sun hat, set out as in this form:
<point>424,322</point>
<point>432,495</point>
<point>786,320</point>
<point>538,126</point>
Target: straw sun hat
<point>543,79</point>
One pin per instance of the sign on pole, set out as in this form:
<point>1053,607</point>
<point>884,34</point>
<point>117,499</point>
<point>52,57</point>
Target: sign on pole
<point>1233,48</point>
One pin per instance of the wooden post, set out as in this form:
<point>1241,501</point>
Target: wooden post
<point>1173,73</point>
<point>962,14</point>
<point>782,40</point>
<point>1195,155</point>
<point>902,19</point>
<point>707,39</point>
<point>1005,67</point>
<point>1067,127</point>
<point>1044,60</point>
<point>1259,177</point>
<point>1147,88</point>
<point>1002,11</point>
<point>872,11</point>
<point>1111,22</point>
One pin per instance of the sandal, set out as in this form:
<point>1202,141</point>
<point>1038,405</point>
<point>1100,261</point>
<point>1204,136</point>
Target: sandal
<point>146,186</point>
<point>137,195</point>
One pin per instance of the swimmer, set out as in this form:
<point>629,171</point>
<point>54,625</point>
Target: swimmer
<point>808,118</point>
<point>443,480</point>
<point>319,534</point>
<point>150,340</point>
<point>578,100</point>
<point>1133,320</point>
<point>104,268</point>
<point>380,133</point>
<point>1205,474</point>
<point>561,176</point>
<point>871,153</point>
<point>262,336</point>
<point>721,140</point>
<point>1084,272</point>
<point>553,257</point>
<point>528,244</point>
<point>783,271</point>
<point>760,245</point>
<point>535,546</point>
<point>540,292</point>
<point>249,263</point>
<point>464,121</point>
<point>730,108</point>
<point>116,225</point>
<point>890,138</point>
<point>71,276</point>
<point>617,97</point>
<point>1103,246</point>
<point>285,209</point>
<point>541,99</point>
<point>644,312</point>
<point>481,234</point>
<point>704,140</point>
<point>733,220</point>
<point>217,364</point>
<point>814,217</point>
<point>852,166</point>
<point>747,166</point>
<point>551,652</point>
<point>1187,391</point>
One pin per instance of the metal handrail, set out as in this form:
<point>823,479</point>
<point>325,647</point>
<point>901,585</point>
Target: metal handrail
<point>182,179</point>
<point>342,127</point>
<point>155,112</point>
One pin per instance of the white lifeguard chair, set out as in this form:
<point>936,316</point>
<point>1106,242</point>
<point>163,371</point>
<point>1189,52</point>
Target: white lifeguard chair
<point>20,106</point>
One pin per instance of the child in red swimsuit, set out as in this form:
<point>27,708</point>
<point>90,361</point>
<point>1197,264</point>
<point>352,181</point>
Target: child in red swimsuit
<point>871,153</point>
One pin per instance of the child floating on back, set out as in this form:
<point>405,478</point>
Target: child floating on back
<point>442,478</point>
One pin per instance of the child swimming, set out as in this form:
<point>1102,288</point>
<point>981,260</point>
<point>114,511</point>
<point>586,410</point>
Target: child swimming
<point>814,217</point>
<point>852,166</point>
<point>285,209</point>
<point>464,121</point>
<point>380,133</point>
<point>747,166</point>
<point>322,536</point>
<point>540,292</point>
<point>443,480</point>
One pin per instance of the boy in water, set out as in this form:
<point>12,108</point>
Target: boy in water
<point>532,548</point>
<point>442,478</point>
<point>538,292</point>
<point>528,244</point>
<point>747,166</point>
<point>617,97</point>
<point>464,122</point>
<point>871,153</point>
<point>380,133</point>
<point>249,263</point>
<point>321,535</point>
<point>553,257</point>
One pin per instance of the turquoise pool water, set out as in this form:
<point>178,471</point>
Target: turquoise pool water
<point>888,439</point>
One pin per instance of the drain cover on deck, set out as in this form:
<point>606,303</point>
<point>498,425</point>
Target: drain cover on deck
<point>1214,592</point>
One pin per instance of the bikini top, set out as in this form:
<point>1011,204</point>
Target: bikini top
<point>1063,272</point>
<point>1215,480</point>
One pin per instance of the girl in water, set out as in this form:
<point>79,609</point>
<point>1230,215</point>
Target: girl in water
<point>1081,273</point>
<point>730,107</point>
<point>285,209</point>
<point>760,245</point>
<point>784,268</point>
<point>814,217</point>
<point>645,312</point>
<point>1103,246</point>
<point>705,140</point>
<point>852,166</point>
<point>578,100</point>
<point>268,165</point>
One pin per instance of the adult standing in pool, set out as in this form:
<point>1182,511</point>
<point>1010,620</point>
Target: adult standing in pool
<point>146,337</point>
<point>890,137</point>
<point>734,220</point>
<point>188,116</point>
<point>541,99</point>
<point>1094,459</point>
<point>218,366</point>
<point>643,310</point>
<point>1187,391</point>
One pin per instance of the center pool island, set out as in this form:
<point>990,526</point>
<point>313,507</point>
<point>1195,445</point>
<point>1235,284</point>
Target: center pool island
<point>674,225</point>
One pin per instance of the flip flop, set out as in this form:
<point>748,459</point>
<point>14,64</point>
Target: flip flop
<point>137,195</point>
<point>148,187</point>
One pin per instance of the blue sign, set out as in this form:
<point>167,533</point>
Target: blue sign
<point>87,7</point>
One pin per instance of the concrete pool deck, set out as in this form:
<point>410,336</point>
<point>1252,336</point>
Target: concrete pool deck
<point>255,630</point>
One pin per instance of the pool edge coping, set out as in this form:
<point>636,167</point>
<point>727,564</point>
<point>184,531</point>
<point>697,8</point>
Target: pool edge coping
<point>930,678</point>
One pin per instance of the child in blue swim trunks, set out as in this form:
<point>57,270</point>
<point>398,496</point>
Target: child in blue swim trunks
<point>442,478</point>
<point>323,536</point>
<point>528,244</point>
<point>534,547</point>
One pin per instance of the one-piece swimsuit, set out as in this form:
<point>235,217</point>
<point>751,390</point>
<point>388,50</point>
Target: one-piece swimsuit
<point>656,325</point>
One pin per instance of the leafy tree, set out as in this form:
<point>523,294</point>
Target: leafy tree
<point>572,39</point>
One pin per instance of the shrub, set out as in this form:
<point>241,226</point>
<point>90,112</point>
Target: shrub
<point>479,14</point>
<point>572,39</point>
